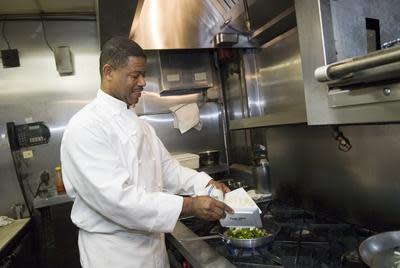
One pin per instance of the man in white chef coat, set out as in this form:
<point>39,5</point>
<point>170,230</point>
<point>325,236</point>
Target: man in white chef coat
<point>125,184</point>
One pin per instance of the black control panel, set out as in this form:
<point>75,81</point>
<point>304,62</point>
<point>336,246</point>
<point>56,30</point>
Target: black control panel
<point>27,135</point>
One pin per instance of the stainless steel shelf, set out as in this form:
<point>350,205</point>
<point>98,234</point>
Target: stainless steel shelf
<point>268,120</point>
<point>214,169</point>
<point>51,201</point>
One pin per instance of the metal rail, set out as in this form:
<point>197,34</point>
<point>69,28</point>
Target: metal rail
<point>341,69</point>
<point>56,16</point>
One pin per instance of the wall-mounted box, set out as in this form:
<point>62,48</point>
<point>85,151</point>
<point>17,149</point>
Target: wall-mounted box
<point>185,72</point>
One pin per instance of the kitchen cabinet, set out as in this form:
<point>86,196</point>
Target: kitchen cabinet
<point>17,245</point>
<point>58,236</point>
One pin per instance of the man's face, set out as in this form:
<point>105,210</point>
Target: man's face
<point>126,83</point>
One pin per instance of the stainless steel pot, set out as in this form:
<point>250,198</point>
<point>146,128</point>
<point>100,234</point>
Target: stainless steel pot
<point>209,158</point>
<point>381,250</point>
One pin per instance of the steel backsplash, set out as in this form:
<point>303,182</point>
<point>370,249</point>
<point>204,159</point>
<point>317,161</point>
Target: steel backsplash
<point>35,92</point>
<point>361,186</point>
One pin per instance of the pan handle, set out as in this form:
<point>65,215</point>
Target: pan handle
<point>199,238</point>
<point>273,258</point>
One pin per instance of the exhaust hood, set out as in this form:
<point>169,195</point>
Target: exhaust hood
<point>190,24</point>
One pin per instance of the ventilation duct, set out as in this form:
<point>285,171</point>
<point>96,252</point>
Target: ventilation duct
<point>190,24</point>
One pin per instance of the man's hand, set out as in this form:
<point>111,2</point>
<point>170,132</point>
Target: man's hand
<point>205,207</point>
<point>218,185</point>
<point>208,208</point>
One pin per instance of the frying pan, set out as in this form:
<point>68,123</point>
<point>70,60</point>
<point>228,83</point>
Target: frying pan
<point>271,227</point>
<point>381,250</point>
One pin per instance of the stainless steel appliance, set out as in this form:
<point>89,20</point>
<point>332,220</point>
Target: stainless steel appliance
<point>335,32</point>
<point>305,239</point>
<point>209,158</point>
<point>25,136</point>
<point>184,72</point>
<point>195,24</point>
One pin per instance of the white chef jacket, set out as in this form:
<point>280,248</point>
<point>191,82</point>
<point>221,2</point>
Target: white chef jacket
<point>124,183</point>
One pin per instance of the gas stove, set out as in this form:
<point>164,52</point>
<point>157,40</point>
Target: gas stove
<point>305,240</point>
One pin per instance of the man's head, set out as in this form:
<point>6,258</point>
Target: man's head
<point>122,69</point>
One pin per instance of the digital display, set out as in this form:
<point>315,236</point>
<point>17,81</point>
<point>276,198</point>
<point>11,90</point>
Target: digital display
<point>32,134</point>
<point>34,127</point>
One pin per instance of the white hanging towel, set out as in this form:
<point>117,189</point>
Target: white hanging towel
<point>186,116</point>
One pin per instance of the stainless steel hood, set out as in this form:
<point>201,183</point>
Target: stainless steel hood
<point>189,24</point>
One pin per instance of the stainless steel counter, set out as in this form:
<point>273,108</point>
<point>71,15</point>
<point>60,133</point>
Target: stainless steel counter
<point>8,232</point>
<point>51,201</point>
<point>198,253</point>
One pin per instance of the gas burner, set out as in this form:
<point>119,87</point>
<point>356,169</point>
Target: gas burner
<point>258,255</point>
<point>243,252</point>
<point>351,257</point>
<point>302,233</point>
<point>305,239</point>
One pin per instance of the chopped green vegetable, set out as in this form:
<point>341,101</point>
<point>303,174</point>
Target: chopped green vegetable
<point>247,233</point>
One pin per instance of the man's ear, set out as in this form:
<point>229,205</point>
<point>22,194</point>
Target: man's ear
<point>107,71</point>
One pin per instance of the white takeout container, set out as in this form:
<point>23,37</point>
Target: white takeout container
<point>247,213</point>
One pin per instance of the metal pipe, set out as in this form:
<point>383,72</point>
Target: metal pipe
<point>224,109</point>
<point>340,69</point>
<point>386,72</point>
<point>246,16</point>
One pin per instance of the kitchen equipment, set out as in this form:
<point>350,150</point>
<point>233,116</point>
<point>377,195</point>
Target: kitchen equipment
<point>18,210</point>
<point>195,24</point>
<point>209,158</point>
<point>260,169</point>
<point>259,197</point>
<point>237,185</point>
<point>187,160</point>
<point>392,43</point>
<point>27,135</point>
<point>305,239</point>
<point>271,227</point>
<point>262,178</point>
<point>381,250</point>
<point>234,184</point>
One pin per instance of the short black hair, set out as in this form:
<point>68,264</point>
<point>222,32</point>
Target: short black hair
<point>116,51</point>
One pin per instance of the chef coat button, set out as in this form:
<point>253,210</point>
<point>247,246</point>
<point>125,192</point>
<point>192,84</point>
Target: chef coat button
<point>140,162</point>
<point>153,159</point>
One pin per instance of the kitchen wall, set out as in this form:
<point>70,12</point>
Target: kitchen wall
<point>35,92</point>
<point>361,186</point>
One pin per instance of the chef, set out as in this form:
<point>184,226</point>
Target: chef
<point>125,184</point>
